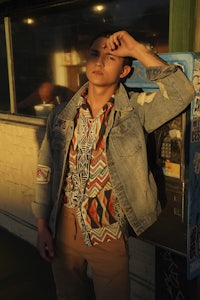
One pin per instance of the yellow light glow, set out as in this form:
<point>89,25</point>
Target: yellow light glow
<point>99,8</point>
<point>29,21</point>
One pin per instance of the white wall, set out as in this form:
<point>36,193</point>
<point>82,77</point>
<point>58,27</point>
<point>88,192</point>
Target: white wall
<point>18,159</point>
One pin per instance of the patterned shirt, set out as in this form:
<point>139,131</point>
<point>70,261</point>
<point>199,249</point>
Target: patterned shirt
<point>88,187</point>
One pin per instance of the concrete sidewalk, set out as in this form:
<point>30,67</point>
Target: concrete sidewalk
<point>23,274</point>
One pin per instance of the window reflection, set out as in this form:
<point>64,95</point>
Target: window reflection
<point>4,86</point>
<point>50,46</point>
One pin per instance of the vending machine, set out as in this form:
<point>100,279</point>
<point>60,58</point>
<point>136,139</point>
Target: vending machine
<point>174,158</point>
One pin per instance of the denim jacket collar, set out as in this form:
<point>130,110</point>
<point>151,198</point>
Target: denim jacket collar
<point>122,102</point>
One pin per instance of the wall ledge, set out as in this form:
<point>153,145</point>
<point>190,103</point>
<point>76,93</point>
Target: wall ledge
<point>11,118</point>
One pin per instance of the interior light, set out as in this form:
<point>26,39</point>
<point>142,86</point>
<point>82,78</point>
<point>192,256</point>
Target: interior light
<point>29,21</point>
<point>99,8</point>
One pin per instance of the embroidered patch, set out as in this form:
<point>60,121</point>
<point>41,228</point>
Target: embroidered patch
<point>43,174</point>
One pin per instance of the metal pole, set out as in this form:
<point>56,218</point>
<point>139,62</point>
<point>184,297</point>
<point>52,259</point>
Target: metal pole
<point>10,62</point>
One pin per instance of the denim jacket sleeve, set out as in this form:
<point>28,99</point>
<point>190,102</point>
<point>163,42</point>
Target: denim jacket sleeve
<point>42,204</point>
<point>174,94</point>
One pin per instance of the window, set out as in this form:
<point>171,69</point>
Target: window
<point>49,46</point>
<point>4,86</point>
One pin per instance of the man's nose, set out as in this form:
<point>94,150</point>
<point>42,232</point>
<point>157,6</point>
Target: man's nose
<point>100,61</point>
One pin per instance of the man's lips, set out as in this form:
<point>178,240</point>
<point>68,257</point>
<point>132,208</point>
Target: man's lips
<point>97,73</point>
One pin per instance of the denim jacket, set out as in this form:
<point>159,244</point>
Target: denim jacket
<point>131,116</point>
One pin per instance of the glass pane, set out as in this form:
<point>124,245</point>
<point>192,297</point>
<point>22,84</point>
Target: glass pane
<point>4,87</point>
<point>50,46</point>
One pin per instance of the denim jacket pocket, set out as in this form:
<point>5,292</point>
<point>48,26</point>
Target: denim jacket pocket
<point>127,137</point>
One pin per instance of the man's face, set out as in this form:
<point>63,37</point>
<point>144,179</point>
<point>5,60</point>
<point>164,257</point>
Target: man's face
<point>103,68</point>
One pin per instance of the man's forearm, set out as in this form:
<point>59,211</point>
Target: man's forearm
<point>146,57</point>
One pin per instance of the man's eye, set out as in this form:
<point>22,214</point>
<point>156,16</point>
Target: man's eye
<point>93,54</point>
<point>111,57</point>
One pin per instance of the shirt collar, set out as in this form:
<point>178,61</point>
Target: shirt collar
<point>84,104</point>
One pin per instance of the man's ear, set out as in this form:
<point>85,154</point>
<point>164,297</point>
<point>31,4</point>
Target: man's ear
<point>125,71</point>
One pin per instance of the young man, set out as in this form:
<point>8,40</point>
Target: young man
<point>93,181</point>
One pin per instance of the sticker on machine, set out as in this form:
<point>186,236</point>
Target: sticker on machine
<point>196,107</point>
<point>195,136</point>
<point>172,169</point>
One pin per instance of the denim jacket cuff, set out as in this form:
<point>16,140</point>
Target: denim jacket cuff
<point>40,211</point>
<point>155,73</point>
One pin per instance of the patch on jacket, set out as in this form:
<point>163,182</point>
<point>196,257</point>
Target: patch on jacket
<point>43,174</point>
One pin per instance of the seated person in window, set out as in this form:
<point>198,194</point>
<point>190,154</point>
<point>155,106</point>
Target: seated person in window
<point>45,94</point>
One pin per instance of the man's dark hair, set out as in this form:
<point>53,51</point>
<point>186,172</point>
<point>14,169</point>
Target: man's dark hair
<point>127,60</point>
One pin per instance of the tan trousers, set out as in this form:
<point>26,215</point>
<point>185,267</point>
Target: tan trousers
<point>108,262</point>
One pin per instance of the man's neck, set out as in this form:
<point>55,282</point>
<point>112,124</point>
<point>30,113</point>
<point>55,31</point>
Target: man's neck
<point>98,96</point>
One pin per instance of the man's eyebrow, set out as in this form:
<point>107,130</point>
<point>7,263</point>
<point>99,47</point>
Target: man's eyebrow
<point>94,50</point>
<point>110,53</point>
<point>106,52</point>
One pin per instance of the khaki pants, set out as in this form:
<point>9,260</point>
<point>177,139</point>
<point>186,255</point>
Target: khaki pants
<point>108,262</point>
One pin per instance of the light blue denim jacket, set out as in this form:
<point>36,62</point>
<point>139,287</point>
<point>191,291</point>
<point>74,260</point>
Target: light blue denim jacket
<point>131,116</point>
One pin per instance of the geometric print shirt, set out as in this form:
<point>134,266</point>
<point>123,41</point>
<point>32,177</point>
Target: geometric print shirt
<point>88,188</point>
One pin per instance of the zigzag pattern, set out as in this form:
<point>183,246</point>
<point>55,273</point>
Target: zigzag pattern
<point>105,234</point>
<point>89,178</point>
<point>97,171</point>
<point>99,211</point>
